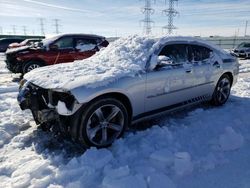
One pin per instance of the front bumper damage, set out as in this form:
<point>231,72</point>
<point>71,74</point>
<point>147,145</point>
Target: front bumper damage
<point>13,64</point>
<point>46,105</point>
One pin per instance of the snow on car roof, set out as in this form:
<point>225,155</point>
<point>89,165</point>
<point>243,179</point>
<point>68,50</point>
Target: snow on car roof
<point>123,57</point>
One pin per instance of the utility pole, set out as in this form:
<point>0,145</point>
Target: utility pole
<point>246,28</point>
<point>24,30</point>
<point>57,25</point>
<point>170,12</point>
<point>42,26</point>
<point>14,29</point>
<point>147,10</point>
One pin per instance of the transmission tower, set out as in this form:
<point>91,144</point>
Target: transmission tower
<point>24,30</point>
<point>42,26</point>
<point>57,25</point>
<point>147,10</point>
<point>170,12</point>
<point>14,29</point>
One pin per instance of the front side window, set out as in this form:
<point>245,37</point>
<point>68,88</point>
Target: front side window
<point>64,43</point>
<point>177,53</point>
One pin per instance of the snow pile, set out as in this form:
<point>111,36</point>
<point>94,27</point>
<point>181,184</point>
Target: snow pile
<point>230,140</point>
<point>244,66</point>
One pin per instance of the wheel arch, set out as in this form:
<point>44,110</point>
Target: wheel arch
<point>124,99</point>
<point>34,59</point>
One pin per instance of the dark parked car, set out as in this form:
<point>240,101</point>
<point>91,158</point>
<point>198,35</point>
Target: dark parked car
<point>4,43</point>
<point>26,42</point>
<point>242,50</point>
<point>60,49</point>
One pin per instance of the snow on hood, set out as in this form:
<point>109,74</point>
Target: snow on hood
<point>124,57</point>
<point>17,49</point>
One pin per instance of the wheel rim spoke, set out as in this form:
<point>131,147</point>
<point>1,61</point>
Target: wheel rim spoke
<point>113,113</point>
<point>223,94</point>
<point>99,114</point>
<point>104,135</point>
<point>114,127</point>
<point>93,131</point>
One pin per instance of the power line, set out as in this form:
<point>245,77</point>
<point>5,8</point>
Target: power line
<point>57,25</point>
<point>170,13</point>
<point>147,10</point>
<point>42,25</point>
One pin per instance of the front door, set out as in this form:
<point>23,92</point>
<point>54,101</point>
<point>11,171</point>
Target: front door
<point>170,83</point>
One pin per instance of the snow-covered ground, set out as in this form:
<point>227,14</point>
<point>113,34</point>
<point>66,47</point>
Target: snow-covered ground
<point>202,147</point>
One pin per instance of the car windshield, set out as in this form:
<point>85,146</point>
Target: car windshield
<point>244,45</point>
<point>46,42</point>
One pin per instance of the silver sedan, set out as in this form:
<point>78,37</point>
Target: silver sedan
<point>176,72</point>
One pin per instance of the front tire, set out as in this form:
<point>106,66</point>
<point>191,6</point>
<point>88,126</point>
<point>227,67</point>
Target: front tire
<point>101,122</point>
<point>31,65</point>
<point>222,91</point>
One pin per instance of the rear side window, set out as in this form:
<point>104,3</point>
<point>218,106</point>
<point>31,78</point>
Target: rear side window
<point>200,53</point>
<point>178,53</point>
<point>64,43</point>
<point>83,44</point>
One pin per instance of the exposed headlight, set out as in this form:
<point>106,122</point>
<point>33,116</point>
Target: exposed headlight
<point>21,83</point>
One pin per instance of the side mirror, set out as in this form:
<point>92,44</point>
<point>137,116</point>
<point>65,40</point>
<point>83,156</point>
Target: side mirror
<point>53,47</point>
<point>164,60</point>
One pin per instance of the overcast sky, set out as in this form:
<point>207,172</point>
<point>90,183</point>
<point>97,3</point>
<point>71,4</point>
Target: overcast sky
<point>122,18</point>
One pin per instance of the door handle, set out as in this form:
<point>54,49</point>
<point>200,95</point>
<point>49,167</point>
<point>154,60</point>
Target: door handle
<point>188,70</point>
<point>216,64</point>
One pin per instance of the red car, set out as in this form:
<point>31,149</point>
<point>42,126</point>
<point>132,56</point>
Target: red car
<point>60,49</point>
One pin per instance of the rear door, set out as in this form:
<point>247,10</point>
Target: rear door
<point>170,84</point>
<point>85,47</point>
<point>205,69</point>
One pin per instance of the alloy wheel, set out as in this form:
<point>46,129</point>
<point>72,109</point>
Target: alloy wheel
<point>105,125</point>
<point>33,66</point>
<point>223,90</point>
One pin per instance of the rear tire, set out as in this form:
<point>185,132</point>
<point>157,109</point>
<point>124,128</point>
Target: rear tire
<point>222,91</point>
<point>29,66</point>
<point>100,123</point>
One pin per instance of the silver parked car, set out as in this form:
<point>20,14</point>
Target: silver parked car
<point>133,79</point>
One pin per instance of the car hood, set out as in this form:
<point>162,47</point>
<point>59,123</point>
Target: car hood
<point>21,49</point>
<point>124,57</point>
<point>243,48</point>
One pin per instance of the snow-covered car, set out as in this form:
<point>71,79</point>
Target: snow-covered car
<point>133,79</point>
<point>242,50</point>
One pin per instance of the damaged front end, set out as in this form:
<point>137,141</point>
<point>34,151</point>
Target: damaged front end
<point>47,106</point>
